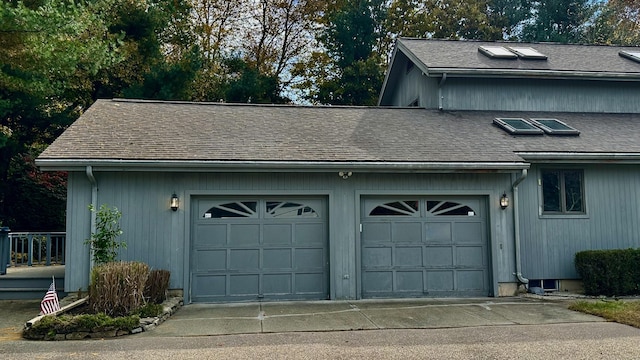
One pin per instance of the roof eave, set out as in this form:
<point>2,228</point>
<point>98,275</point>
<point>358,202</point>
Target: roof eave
<point>519,73</point>
<point>580,157</point>
<point>277,166</point>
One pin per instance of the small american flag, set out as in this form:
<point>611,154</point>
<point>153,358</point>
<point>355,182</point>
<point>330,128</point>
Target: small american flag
<point>50,303</point>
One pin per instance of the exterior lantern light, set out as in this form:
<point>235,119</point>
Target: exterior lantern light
<point>175,202</point>
<point>504,201</point>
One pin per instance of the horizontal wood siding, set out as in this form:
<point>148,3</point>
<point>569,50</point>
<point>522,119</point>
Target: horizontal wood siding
<point>541,95</point>
<point>549,244</point>
<point>156,235</point>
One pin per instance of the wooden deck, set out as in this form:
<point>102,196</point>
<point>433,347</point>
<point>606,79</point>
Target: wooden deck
<point>30,282</point>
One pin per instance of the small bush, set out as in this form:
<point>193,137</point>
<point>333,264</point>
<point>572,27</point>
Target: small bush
<point>155,291</point>
<point>609,272</point>
<point>117,289</point>
<point>150,310</point>
<point>103,242</point>
<point>64,324</point>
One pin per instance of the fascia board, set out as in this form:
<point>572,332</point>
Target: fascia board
<point>580,157</point>
<point>276,166</point>
<point>552,74</point>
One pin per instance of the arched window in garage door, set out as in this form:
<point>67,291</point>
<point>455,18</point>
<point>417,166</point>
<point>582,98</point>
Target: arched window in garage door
<point>237,209</point>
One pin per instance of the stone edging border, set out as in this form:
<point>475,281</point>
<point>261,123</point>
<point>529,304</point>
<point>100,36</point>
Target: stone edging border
<point>169,307</point>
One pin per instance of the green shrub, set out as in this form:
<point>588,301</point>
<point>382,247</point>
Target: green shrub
<point>117,289</point>
<point>155,291</point>
<point>150,310</point>
<point>103,242</point>
<point>49,326</point>
<point>609,272</point>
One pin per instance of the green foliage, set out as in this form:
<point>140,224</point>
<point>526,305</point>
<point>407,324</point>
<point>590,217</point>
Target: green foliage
<point>624,312</point>
<point>50,325</point>
<point>150,310</point>
<point>353,36</point>
<point>609,272</point>
<point>617,23</point>
<point>103,242</point>
<point>155,290</point>
<point>31,188</point>
<point>563,21</point>
<point>117,288</point>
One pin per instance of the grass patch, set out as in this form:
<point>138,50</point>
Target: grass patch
<point>622,312</point>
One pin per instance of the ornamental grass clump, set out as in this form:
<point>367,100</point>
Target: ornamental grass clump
<point>117,289</point>
<point>157,286</point>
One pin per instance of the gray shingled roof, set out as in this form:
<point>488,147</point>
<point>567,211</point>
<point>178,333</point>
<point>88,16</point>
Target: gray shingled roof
<point>454,54</point>
<point>184,132</point>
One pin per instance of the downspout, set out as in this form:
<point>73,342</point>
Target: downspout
<point>440,85</point>
<point>516,225</point>
<point>94,201</point>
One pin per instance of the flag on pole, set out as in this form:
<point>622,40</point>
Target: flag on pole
<point>50,303</point>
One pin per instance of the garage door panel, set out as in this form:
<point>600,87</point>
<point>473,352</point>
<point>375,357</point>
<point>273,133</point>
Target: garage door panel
<point>310,283</point>
<point>374,257</point>
<point>470,280</point>
<point>376,232</point>
<point>244,259</point>
<point>277,259</point>
<point>471,256</point>
<point>211,235</point>
<point>313,234</point>
<point>244,284</point>
<point>438,232</point>
<point>277,284</point>
<point>468,233</point>
<point>440,280</point>
<point>433,245</point>
<point>244,234</point>
<point>277,234</point>
<point>408,256</point>
<point>255,249</point>
<point>409,281</point>
<point>208,260</point>
<point>310,259</point>
<point>210,285</point>
<point>379,281</point>
<point>438,257</point>
<point>407,232</point>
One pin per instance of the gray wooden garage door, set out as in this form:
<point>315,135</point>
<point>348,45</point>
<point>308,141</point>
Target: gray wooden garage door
<point>424,246</point>
<point>259,248</point>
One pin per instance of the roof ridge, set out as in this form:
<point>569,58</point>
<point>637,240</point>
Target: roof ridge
<point>210,103</point>
<point>519,42</point>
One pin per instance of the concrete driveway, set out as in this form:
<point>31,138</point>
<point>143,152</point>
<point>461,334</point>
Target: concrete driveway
<point>252,318</point>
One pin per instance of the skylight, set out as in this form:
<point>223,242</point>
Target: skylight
<point>528,53</point>
<point>631,55</point>
<point>554,127</point>
<point>517,126</point>
<point>497,52</point>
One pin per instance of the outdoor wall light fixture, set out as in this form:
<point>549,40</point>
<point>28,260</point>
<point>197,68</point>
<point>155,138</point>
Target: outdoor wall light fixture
<point>345,174</point>
<point>175,202</point>
<point>504,201</point>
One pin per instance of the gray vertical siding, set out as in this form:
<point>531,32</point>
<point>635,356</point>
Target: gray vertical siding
<point>405,87</point>
<point>612,195</point>
<point>159,236</point>
<point>78,230</point>
<point>541,95</point>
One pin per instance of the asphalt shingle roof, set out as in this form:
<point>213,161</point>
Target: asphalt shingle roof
<point>151,130</point>
<point>455,54</point>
